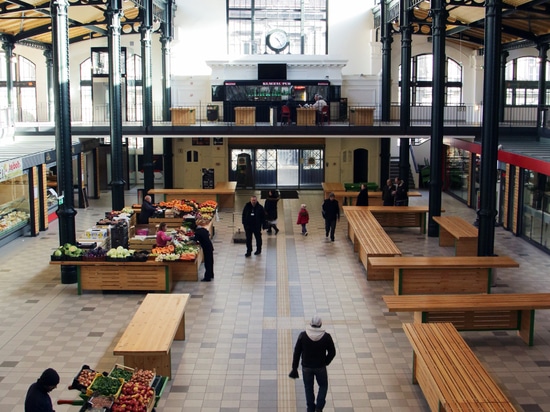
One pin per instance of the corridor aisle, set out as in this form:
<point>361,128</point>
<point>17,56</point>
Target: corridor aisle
<point>241,327</point>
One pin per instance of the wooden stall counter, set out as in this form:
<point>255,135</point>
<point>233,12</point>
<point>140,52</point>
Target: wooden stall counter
<point>245,116</point>
<point>223,192</point>
<point>183,116</point>
<point>305,116</point>
<point>362,116</point>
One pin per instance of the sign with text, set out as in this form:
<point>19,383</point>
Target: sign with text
<point>10,169</point>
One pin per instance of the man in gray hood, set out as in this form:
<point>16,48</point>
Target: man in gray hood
<point>316,348</point>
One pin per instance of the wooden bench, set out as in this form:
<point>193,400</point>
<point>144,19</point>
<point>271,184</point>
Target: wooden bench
<point>370,239</point>
<point>449,373</point>
<point>510,311</point>
<point>420,275</point>
<point>147,341</point>
<point>455,231</point>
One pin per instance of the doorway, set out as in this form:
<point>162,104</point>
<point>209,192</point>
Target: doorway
<point>360,166</point>
<point>278,168</point>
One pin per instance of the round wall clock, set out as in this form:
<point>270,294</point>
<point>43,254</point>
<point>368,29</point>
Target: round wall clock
<point>277,40</point>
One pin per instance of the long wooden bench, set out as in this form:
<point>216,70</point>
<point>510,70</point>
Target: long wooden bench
<point>397,216</point>
<point>510,311</point>
<point>147,341</point>
<point>455,231</point>
<point>346,197</point>
<point>449,373</point>
<point>419,275</point>
<point>370,239</point>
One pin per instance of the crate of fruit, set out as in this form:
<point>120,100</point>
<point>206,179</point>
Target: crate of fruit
<point>143,376</point>
<point>83,379</point>
<point>105,385</point>
<point>135,396</point>
<point>121,371</point>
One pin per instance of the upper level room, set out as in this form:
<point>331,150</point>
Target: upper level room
<point>206,53</point>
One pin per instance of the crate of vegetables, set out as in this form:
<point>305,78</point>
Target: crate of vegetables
<point>135,396</point>
<point>105,385</point>
<point>121,371</point>
<point>83,379</point>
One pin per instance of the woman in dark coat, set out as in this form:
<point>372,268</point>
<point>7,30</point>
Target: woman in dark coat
<point>270,208</point>
<point>363,196</point>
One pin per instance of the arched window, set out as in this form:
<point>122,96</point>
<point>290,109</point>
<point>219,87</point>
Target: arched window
<point>24,85</point>
<point>277,26</point>
<point>522,75</point>
<point>421,81</point>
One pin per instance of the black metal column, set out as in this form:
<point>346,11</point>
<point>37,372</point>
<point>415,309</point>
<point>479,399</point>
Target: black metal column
<point>385,157</point>
<point>439,15</point>
<point>147,94</point>
<point>63,142</point>
<point>541,112</point>
<point>8,45</point>
<point>48,54</point>
<point>489,136</point>
<point>386,40</point>
<point>405,109</point>
<point>114,12</point>
<point>166,42</point>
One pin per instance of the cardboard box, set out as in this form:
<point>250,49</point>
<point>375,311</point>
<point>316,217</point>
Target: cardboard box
<point>95,233</point>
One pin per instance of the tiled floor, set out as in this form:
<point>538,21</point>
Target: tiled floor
<point>241,327</point>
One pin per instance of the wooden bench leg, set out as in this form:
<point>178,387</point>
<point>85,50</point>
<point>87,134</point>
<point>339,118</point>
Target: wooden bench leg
<point>466,247</point>
<point>527,328</point>
<point>180,333</point>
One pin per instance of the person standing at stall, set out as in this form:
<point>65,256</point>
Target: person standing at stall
<point>331,214</point>
<point>387,194</point>
<point>363,196</point>
<point>38,398</point>
<point>147,210</point>
<point>253,219</point>
<point>162,237</point>
<point>202,236</point>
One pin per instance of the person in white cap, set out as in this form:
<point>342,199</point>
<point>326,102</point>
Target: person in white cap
<point>316,348</point>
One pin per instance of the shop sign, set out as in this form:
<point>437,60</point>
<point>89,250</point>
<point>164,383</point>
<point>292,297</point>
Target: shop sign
<point>10,169</point>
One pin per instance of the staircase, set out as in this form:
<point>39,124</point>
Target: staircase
<point>394,172</point>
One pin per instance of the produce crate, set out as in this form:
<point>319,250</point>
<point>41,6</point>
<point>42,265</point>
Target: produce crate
<point>77,385</point>
<point>122,368</point>
<point>90,391</point>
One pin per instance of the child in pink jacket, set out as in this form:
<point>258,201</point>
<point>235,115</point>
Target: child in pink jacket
<point>303,219</point>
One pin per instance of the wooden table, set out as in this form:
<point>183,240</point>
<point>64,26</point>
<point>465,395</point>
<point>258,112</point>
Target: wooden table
<point>346,197</point>
<point>455,231</point>
<point>245,116</point>
<point>500,311</point>
<point>421,275</point>
<point>183,116</point>
<point>305,116</point>
<point>397,216</point>
<point>147,341</point>
<point>223,193</point>
<point>362,116</point>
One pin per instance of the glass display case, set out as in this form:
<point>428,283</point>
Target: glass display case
<point>14,208</point>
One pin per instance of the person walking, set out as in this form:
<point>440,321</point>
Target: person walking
<point>363,196</point>
<point>303,219</point>
<point>270,207</point>
<point>202,236</point>
<point>331,214</point>
<point>253,220</point>
<point>316,348</point>
<point>387,194</point>
<point>38,398</point>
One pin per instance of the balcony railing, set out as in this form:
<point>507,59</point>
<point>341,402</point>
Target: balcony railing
<point>212,114</point>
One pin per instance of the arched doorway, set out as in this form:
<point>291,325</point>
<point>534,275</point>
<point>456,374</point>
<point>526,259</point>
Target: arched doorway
<point>360,165</point>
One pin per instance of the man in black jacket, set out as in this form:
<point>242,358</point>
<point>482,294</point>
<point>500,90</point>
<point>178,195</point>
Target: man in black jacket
<point>253,220</point>
<point>147,210</point>
<point>363,196</point>
<point>316,348</point>
<point>202,236</point>
<point>37,399</point>
<point>331,214</point>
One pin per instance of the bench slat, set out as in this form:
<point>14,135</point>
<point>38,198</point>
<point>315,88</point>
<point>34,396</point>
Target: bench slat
<point>443,262</point>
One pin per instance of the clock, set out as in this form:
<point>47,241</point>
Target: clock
<point>277,40</point>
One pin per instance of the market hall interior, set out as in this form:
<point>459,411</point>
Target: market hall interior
<point>241,328</point>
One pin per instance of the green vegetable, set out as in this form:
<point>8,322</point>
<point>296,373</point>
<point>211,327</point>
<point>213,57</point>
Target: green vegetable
<point>121,373</point>
<point>105,385</point>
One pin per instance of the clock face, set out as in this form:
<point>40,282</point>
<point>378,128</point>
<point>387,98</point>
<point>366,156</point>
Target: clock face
<point>277,40</point>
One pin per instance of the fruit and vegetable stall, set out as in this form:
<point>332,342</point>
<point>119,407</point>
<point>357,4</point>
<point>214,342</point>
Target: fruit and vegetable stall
<point>136,264</point>
<point>121,389</point>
